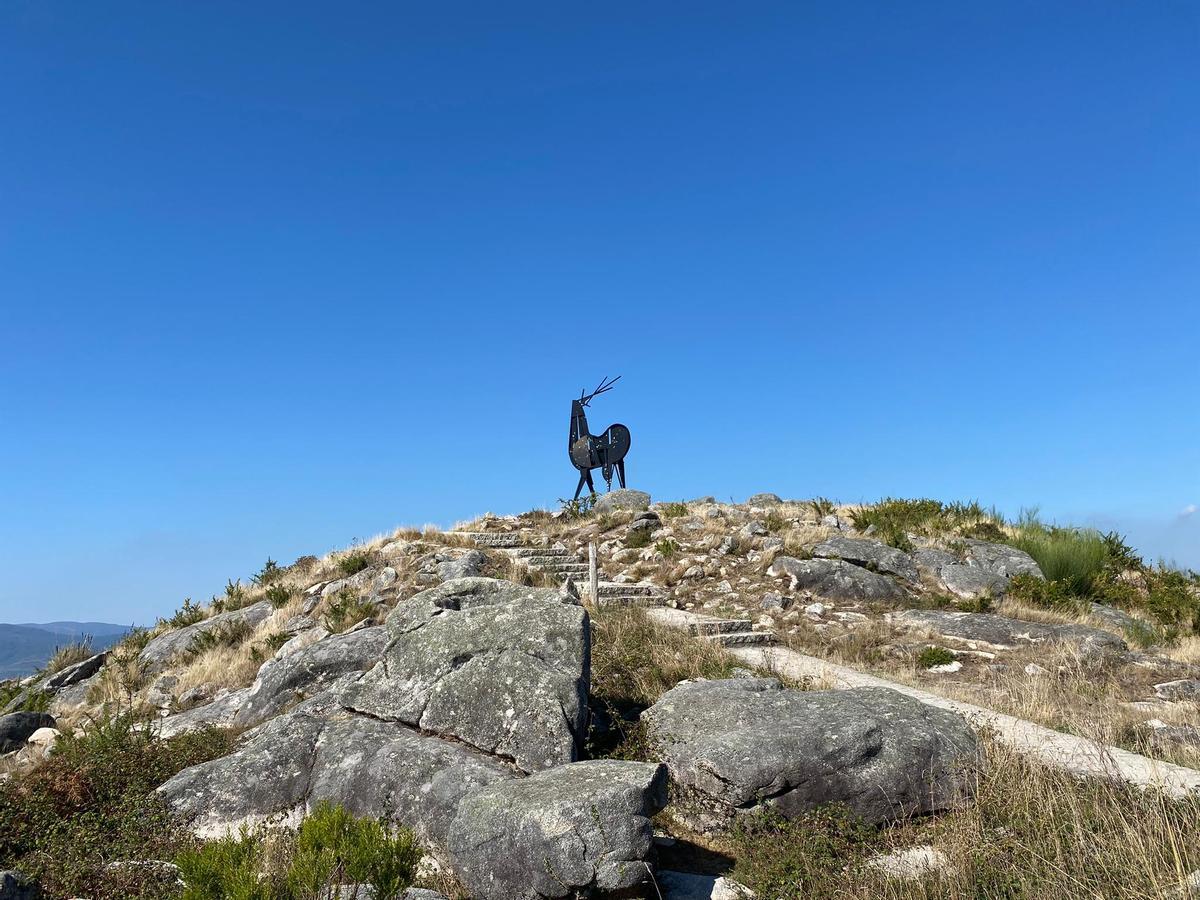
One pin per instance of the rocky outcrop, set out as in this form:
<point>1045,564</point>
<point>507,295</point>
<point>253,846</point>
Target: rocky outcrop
<point>972,583</point>
<point>321,752</point>
<point>297,676</point>
<point>219,713</point>
<point>74,674</point>
<point>871,554</point>
<point>565,832</point>
<point>836,579</point>
<point>500,666</point>
<point>469,565</point>
<point>1002,633</point>
<point>16,727</point>
<point>739,744</point>
<point>162,649</point>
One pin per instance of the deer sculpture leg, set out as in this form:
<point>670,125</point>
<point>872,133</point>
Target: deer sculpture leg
<point>621,472</point>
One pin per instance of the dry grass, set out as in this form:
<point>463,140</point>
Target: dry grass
<point>69,655</point>
<point>1031,832</point>
<point>236,667</point>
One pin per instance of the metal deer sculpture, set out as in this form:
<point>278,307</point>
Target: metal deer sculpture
<point>590,451</point>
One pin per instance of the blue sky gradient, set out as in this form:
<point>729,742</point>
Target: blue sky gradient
<point>274,276</point>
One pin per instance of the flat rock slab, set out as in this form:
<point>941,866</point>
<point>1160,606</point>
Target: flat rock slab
<point>872,554</point>
<point>734,745</point>
<point>836,579</point>
<point>297,676</point>
<point>319,752</point>
<point>1183,689</point>
<point>565,832</point>
<point>1002,633</point>
<point>74,674</point>
<point>162,649</point>
<point>220,713</point>
<point>500,666</point>
<point>16,727</point>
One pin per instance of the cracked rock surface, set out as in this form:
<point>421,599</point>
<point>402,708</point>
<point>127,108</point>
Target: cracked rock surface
<point>565,832</point>
<point>736,744</point>
<point>497,665</point>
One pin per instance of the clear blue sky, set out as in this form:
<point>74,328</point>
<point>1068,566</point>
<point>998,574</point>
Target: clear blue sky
<point>274,276</point>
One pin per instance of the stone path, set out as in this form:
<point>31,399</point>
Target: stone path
<point>1074,754</point>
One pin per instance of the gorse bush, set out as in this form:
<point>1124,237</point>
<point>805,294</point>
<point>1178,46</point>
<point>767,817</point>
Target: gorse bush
<point>577,509</point>
<point>934,656</point>
<point>188,614</point>
<point>92,803</point>
<point>231,634</point>
<point>354,562</point>
<point>331,848</point>
<point>346,608</point>
<point>667,547</point>
<point>279,595</point>
<point>673,510</point>
<point>638,538</point>
<point>268,574</point>
<point>894,519</point>
<point>823,506</point>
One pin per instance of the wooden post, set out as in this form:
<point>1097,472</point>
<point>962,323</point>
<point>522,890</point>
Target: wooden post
<point>593,575</point>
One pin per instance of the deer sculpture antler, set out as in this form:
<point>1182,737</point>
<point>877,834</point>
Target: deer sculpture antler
<point>605,385</point>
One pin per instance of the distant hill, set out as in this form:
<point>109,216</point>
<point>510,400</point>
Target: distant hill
<point>26,647</point>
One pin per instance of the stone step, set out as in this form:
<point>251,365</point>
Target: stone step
<point>528,552</point>
<point>499,539</point>
<point>741,638</point>
<point>641,589</point>
<point>627,600</point>
<point>719,626</point>
<point>552,561</point>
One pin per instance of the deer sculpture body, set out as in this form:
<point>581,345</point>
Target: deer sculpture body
<point>588,451</point>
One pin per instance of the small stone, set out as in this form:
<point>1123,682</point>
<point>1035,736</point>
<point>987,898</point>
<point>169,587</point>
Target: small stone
<point>1035,670</point>
<point>945,668</point>
<point>816,609</point>
<point>775,601</point>
<point>910,864</point>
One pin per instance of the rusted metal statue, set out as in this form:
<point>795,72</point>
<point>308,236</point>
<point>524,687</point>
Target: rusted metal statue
<point>589,451</point>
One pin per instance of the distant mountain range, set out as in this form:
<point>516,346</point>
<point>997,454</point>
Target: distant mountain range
<point>26,647</point>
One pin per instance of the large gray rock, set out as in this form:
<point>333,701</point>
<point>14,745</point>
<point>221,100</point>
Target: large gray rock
<point>16,727</point>
<point>836,579</point>
<point>931,561</point>
<point>162,649</point>
<point>875,555</point>
<point>763,499</point>
<point>469,565</point>
<point>1182,689</point>
<point>500,666</point>
<point>1001,559</point>
<point>621,499</point>
<point>1002,633</point>
<point>74,674</point>
<point>738,744</point>
<point>318,752</point>
<point>566,832</point>
<point>220,713</point>
<point>971,582</point>
<point>16,886</point>
<point>297,676</point>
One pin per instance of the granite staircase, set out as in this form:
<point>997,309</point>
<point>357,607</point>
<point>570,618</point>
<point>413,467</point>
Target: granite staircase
<point>561,564</point>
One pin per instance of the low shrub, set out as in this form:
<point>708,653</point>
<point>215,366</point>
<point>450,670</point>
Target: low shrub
<point>1045,593</point>
<point>330,848</point>
<point>92,803</point>
<point>578,508</point>
<point>667,547</point>
<point>279,595</point>
<point>188,614</point>
<point>354,562</point>
<point>673,510</point>
<point>268,574</point>
<point>346,608</point>
<point>823,506</point>
<point>231,634</point>
<point>934,656</point>
<point>1074,556</point>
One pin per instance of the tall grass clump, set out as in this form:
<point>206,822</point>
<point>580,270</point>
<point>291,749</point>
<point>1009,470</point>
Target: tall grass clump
<point>70,654</point>
<point>1074,557</point>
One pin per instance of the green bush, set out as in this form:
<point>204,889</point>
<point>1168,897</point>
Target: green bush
<point>268,574</point>
<point>279,595</point>
<point>92,802</point>
<point>188,614</point>
<point>346,608</point>
<point>894,519</point>
<point>577,509</point>
<point>354,562</point>
<point>1047,594</point>
<point>330,848</point>
<point>934,656</point>
<point>823,506</point>
<point>673,510</point>
<point>1173,597</point>
<point>667,547</point>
